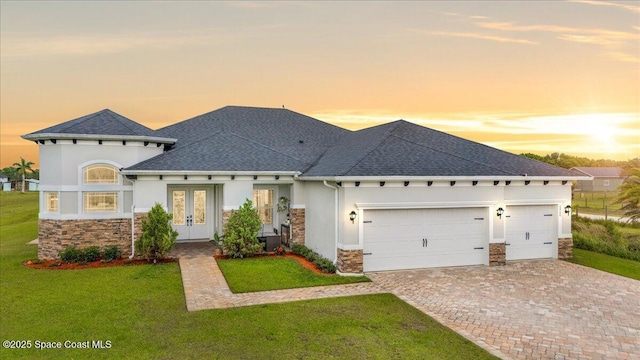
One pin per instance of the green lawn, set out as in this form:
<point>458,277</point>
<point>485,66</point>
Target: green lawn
<point>614,265</point>
<point>141,311</point>
<point>271,273</point>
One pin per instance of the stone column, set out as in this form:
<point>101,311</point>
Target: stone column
<point>497,254</point>
<point>297,217</point>
<point>350,261</point>
<point>565,248</point>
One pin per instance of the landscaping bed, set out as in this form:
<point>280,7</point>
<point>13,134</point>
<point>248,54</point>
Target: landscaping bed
<point>59,265</point>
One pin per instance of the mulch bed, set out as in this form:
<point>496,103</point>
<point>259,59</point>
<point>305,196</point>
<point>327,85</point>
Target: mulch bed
<point>304,262</point>
<point>59,265</point>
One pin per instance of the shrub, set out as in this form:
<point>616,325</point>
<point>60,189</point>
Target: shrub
<point>158,237</point>
<point>70,254</point>
<point>111,253</point>
<point>322,263</point>
<point>241,232</point>
<point>325,265</point>
<point>92,253</point>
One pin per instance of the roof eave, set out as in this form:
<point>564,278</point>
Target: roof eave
<point>200,172</point>
<point>59,136</point>
<point>441,178</point>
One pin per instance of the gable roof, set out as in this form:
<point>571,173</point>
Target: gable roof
<point>104,124</point>
<point>236,138</point>
<point>401,148</point>
<point>600,171</point>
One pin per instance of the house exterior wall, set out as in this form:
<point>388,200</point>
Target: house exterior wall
<point>600,184</point>
<point>415,195</point>
<point>395,195</point>
<point>61,167</point>
<point>320,219</point>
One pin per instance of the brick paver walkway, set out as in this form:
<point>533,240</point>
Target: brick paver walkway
<point>531,309</point>
<point>206,288</point>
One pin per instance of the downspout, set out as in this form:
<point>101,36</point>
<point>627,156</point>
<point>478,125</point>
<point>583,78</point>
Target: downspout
<point>133,231</point>
<point>335,248</point>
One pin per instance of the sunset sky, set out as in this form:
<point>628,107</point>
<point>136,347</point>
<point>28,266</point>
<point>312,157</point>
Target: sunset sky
<point>537,76</point>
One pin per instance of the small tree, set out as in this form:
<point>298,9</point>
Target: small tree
<point>22,168</point>
<point>629,196</point>
<point>158,237</point>
<point>241,232</point>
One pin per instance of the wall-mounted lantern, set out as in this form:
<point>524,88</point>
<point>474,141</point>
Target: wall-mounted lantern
<point>352,216</point>
<point>567,209</point>
<point>500,212</point>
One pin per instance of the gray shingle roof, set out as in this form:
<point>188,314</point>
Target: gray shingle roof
<point>104,122</point>
<point>237,138</point>
<point>600,171</point>
<point>401,148</point>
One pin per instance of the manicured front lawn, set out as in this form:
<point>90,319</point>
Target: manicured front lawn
<point>614,265</point>
<point>272,273</point>
<point>141,311</point>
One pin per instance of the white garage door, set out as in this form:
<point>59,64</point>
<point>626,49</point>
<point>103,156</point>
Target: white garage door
<point>420,238</point>
<point>531,232</point>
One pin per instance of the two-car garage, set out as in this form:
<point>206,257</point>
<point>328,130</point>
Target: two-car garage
<point>420,238</point>
<point>395,239</point>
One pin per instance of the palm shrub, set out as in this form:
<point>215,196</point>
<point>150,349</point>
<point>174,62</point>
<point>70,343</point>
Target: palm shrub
<point>241,232</point>
<point>629,196</point>
<point>158,237</point>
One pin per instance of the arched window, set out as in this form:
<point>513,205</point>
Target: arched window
<point>99,193</point>
<point>100,174</point>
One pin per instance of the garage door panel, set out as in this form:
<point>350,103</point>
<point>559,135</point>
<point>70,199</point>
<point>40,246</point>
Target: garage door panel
<point>531,232</point>
<point>419,238</point>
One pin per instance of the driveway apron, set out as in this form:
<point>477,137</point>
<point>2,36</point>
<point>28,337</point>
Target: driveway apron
<point>544,309</point>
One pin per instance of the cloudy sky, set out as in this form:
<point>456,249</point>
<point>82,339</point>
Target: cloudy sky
<point>537,76</point>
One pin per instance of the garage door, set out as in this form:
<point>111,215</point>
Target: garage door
<point>420,238</point>
<point>531,232</point>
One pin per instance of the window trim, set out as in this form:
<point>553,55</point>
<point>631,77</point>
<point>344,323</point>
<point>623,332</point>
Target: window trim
<point>86,209</point>
<point>88,168</point>
<point>47,201</point>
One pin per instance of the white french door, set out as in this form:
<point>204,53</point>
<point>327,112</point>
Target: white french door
<point>192,211</point>
<point>265,204</point>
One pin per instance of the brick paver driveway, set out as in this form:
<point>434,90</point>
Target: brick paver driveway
<point>547,309</point>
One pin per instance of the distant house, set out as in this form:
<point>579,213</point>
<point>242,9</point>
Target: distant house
<point>604,178</point>
<point>5,183</point>
<point>33,184</point>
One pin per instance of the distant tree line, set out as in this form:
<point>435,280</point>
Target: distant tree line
<point>569,161</point>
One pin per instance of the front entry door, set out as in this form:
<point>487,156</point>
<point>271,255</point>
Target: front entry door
<point>192,215</point>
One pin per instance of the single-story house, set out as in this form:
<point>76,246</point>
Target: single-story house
<point>603,178</point>
<point>6,184</point>
<point>393,196</point>
<point>32,184</point>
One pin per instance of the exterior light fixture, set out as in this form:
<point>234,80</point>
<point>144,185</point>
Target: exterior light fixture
<point>499,212</point>
<point>352,216</point>
<point>567,209</point>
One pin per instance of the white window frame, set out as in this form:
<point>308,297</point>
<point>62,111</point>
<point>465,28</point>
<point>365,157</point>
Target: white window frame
<point>88,188</point>
<point>48,200</point>
<point>85,198</point>
<point>605,183</point>
<point>87,169</point>
<point>267,229</point>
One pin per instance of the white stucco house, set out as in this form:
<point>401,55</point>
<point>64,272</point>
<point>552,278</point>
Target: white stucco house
<point>394,196</point>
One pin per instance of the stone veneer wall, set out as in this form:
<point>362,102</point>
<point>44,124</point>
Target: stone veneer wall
<point>497,254</point>
<point>297,217</point>
<point>565,248</point>
<point>55,235</point>
<point>350,261</point>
